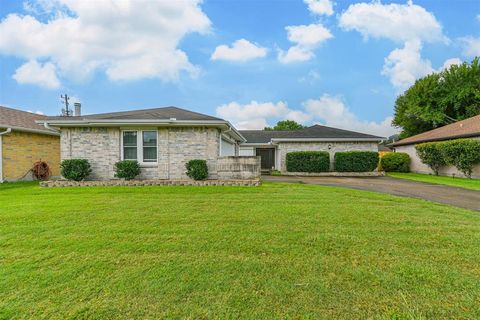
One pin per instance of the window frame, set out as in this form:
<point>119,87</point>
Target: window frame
<point>139,146</point>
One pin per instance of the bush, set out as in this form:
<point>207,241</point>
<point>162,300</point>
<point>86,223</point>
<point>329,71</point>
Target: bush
<point>395,162</point>
<point>41,170</point>
<point>356,161</point>
<point>461,153</point>
<point>197,169</point>
<point>127,169</point>
<point>308,161</point>
<point>75,169</point>
<point>431,155</point>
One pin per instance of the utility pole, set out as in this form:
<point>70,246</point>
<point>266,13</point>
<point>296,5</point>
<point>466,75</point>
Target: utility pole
<point>65,111</point>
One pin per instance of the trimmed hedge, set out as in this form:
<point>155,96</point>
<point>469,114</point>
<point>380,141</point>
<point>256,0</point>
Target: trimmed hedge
<point>356,161</point>
<point>461,153</point>
<point>127,169</point>
<point>197,169</point>
<point>395,162</point>
<point>308,161</point>
<point>431,154</point>
<point>75,169</point>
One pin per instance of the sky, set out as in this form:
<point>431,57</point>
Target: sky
<point>336,63</point>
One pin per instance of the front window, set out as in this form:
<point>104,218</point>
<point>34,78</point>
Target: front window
<point>140,146</point>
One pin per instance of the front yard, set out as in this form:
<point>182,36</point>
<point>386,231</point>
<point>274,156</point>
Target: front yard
<point>472,184</point>
<point>275,251</point>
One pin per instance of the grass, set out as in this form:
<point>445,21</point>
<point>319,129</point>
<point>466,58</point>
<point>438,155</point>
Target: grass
<point>277,251</point>
<point>472,184</point>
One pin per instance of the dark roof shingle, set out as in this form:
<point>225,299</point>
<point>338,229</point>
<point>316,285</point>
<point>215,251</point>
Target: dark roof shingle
<point>461,129</point>
<point>21,120</point>
<point>145,114</point>
<point>313,132</point>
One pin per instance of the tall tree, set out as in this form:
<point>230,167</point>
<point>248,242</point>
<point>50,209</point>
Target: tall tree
<point>285,125</point>
<point>439,99</point>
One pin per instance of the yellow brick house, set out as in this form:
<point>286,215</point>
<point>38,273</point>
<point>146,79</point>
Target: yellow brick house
<point>23,142</point>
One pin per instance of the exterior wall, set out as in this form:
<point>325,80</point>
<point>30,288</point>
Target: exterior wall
<point>417,166</point>
<point>247,151</point>
<point>21,149</point>
<point>241,168</point>
<point>286,147</point>
<point>102,148</point>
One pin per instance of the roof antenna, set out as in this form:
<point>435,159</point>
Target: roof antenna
<point>65,111</point>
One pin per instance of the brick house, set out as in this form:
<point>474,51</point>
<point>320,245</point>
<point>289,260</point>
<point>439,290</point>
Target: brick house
<point>162,140</point>
<point>273,146</point>
<point>23,142</point>
<point>468,128</point>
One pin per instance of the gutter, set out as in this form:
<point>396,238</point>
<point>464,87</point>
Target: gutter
<point>326,139</point>
<point>1,156</point>
<point>40,131</point>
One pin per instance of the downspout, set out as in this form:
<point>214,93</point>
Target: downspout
<point>1,156</point>
<point>46,125</point>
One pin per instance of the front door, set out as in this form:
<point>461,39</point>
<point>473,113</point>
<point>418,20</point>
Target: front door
<point>267,156</point>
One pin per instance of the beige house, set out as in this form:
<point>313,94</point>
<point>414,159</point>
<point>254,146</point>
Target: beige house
<point>23,142</point>
<point>468,128</point>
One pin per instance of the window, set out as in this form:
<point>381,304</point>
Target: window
<point>140,146</point>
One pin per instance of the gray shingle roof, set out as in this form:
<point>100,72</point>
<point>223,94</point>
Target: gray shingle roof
<point>145,114</point>
<point>313,132</point>
<point>21,120</point>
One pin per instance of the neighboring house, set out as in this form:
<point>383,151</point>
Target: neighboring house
<point>273,146</point>
<point>162,140</point>
<point>23,142</point>
<point>468,128</point>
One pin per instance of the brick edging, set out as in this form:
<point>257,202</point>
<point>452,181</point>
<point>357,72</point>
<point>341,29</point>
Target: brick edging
<point>105,183</point>
<point>335,174</point>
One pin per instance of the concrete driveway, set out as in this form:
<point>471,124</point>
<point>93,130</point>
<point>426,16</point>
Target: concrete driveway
<point>463,198</point>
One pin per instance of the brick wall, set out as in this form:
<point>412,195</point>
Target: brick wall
<point>21,149</point>
<point>286,147</point>
<point>101,146</point>
<point>238,167</point>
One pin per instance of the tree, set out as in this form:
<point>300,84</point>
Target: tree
<point>285,125</point>
<point>439,99</point>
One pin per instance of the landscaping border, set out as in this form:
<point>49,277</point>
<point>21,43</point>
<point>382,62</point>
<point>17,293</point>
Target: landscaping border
<point>132,183</point>
<point>335,174</point>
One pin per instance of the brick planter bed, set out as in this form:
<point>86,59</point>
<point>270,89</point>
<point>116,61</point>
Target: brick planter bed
<point>335,174</point>
<point>104,183</point>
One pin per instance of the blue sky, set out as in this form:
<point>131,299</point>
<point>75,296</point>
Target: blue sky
<point>252,62</point>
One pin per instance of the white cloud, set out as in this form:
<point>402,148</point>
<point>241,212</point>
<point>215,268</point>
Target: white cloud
<point>471,46</point>
<point>35,73</point>
<point>306,38</point>
<point>126,39</point>
<point>320,7</point>
<point>241,50</point>
<point>450,62</point>
<point>327,110</point>
<point>404,66</point>
<point>37,112</point>
<point>332,111</point>
<point>397,22</point>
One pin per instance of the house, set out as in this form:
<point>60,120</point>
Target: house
<point>162,140</point>
<point>23,142</point>
<point>468,128</point>
<point>273,146</point>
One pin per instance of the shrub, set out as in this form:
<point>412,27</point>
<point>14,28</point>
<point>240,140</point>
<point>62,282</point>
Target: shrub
<point>41,170</point>
<point>75,169</point>
<point>197,169</point>
<point>308,161</point>
<point>356,161</point>
<point>461,153</point>
<point>431,155</point>
<point>127,169</point>
<point>395,162</point>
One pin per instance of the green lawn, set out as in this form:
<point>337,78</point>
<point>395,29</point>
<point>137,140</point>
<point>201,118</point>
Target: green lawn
<point>277,251</point>
<point>473,184</point>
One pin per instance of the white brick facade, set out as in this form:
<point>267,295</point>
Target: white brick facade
<point>176,145</point>
<point>286,147</point>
